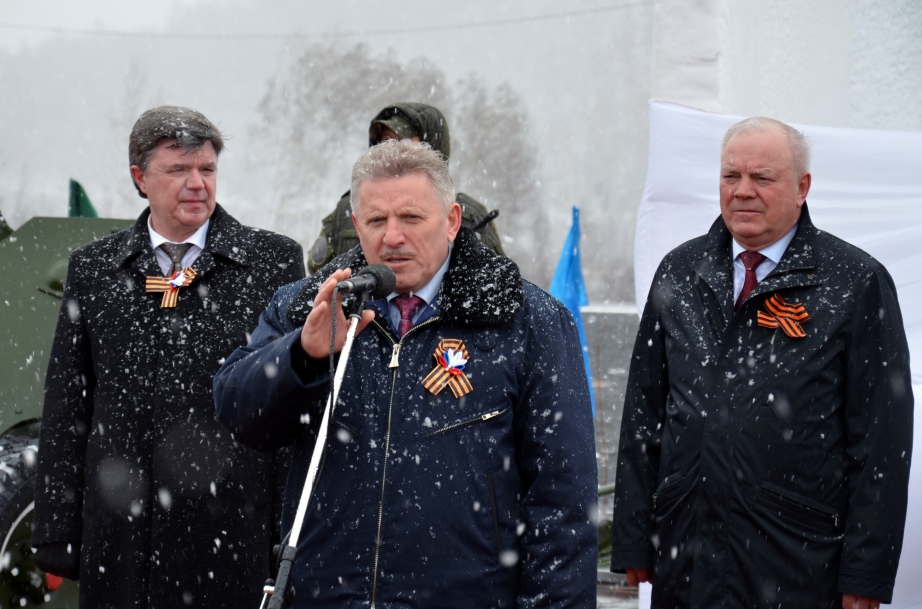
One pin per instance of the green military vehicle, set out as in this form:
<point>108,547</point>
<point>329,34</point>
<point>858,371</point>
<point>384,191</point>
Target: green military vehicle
<point>33,265</point>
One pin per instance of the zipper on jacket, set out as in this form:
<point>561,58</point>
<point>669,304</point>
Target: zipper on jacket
<point>395,362</point>
<point>654,502</point>
<point>387,444</point>
<point>479,417</point>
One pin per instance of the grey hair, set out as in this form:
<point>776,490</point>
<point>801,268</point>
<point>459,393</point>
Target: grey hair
<point>397,158</point>
<point>188,127</point>
<point>797,141</point>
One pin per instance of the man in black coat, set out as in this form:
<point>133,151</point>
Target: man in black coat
<point>767,431</point>
<point>460,467</point>
<point>140,493</point>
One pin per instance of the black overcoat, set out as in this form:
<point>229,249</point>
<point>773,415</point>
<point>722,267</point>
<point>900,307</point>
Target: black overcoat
<point>170,510</point>
<point>757,469</point>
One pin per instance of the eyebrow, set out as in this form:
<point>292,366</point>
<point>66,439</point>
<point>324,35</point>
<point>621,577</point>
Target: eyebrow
<point>186,166</point>
<point>759,171</point>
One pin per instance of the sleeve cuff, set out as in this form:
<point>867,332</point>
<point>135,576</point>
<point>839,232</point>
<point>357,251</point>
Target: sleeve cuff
<point>630,557</point>
<point>308,368</point>
<point>862,584</point>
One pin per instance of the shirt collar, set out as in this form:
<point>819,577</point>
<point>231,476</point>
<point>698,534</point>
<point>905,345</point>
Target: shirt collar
<point>773,252</point>
<point>197,238</point>
<point>429,291</point>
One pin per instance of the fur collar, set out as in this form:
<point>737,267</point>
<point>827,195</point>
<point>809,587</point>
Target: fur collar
<point>480,288</point>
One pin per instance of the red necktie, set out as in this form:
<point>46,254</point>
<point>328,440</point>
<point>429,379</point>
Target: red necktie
<point>408,306</point>
<point>751,260</point>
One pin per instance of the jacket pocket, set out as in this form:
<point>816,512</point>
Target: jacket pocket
<point>504,494</point>
<point>492,492</point>
<point>670,490</point>
<point>796,509</point>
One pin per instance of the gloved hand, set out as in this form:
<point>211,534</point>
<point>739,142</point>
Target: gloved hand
<point>60,558</point>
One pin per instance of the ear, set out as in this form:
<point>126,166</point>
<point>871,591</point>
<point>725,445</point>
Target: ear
<point>803,187</point>
<point>454,221</point>
<point>138,176</point>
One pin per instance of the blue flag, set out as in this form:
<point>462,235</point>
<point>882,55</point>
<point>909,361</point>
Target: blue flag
<point>568,288</point>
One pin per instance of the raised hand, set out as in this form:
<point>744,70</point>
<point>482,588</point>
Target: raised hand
<point>315,335</point>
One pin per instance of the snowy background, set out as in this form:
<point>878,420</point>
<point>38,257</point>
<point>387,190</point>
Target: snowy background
<point>546,102</point>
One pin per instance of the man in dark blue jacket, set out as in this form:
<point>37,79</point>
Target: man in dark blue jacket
<point>460,469</point>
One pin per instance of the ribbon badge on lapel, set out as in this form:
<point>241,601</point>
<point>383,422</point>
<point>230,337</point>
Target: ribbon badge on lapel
<point>450,357</point>
<point>170,286</point>
<point>782,315</point>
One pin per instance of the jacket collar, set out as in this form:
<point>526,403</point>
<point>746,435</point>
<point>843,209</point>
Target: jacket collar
<point>480,287</point>
<point>225,239</point>
<point>796,267</point>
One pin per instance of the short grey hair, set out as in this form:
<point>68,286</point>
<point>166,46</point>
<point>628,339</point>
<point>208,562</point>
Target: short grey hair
<point>188,127</point>
<point>797,141</point>
<point>397,158</point>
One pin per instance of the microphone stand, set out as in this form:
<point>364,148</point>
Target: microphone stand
<point>280,593</point>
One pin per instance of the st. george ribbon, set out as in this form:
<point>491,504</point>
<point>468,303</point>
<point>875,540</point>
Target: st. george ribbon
<point>376,281</point>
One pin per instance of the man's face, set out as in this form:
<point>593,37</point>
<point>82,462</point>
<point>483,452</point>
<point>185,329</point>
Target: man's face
<point>403,225</point>
<point>180,184</point>
<point>760,193</point>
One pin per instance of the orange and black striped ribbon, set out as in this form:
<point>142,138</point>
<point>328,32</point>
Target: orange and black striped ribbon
<point>165,285</point>
<point>442,376</point>
<point>782,315</point>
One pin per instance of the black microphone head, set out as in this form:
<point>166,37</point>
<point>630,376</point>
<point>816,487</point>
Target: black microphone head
<point>385,277</point>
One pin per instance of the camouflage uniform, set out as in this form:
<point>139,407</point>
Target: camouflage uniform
<point>337,236</point>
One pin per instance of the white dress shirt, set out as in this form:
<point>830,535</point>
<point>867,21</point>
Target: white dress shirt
<point>772,253</point>
<point>428,293</point>
<point>197,240</point>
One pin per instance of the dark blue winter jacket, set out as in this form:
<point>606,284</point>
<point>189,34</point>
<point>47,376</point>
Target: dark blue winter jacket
<point>430,500</point>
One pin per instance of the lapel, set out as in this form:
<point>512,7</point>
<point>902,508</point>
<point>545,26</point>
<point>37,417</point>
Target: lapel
<point>797,267</point>
<point>225,239</point>
<point>715,268</point>
<point>136,253</point>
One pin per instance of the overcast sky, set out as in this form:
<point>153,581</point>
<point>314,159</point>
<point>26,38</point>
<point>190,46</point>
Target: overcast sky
<point>132,15</point>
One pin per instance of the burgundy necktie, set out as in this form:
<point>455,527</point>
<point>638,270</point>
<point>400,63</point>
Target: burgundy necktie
<point>751,260</point>
<point>408,306</point>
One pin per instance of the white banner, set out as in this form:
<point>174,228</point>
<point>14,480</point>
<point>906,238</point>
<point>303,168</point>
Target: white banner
<point>867,190</point>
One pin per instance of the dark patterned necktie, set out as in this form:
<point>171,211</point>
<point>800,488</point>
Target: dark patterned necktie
<point>175,251</point>
<point>751,260</point>
<point>408,306</point>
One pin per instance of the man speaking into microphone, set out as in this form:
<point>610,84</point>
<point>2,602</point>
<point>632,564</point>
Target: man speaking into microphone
<point>460,467</point>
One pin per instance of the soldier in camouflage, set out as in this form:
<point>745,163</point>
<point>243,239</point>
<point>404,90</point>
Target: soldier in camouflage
<point>417,122</point>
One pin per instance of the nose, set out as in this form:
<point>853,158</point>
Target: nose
<point>393,236</point>
<point>194,181</point>
<point>744,189</point>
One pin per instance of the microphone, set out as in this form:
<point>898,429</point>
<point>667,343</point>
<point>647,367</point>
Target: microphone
<point>376,279</point>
